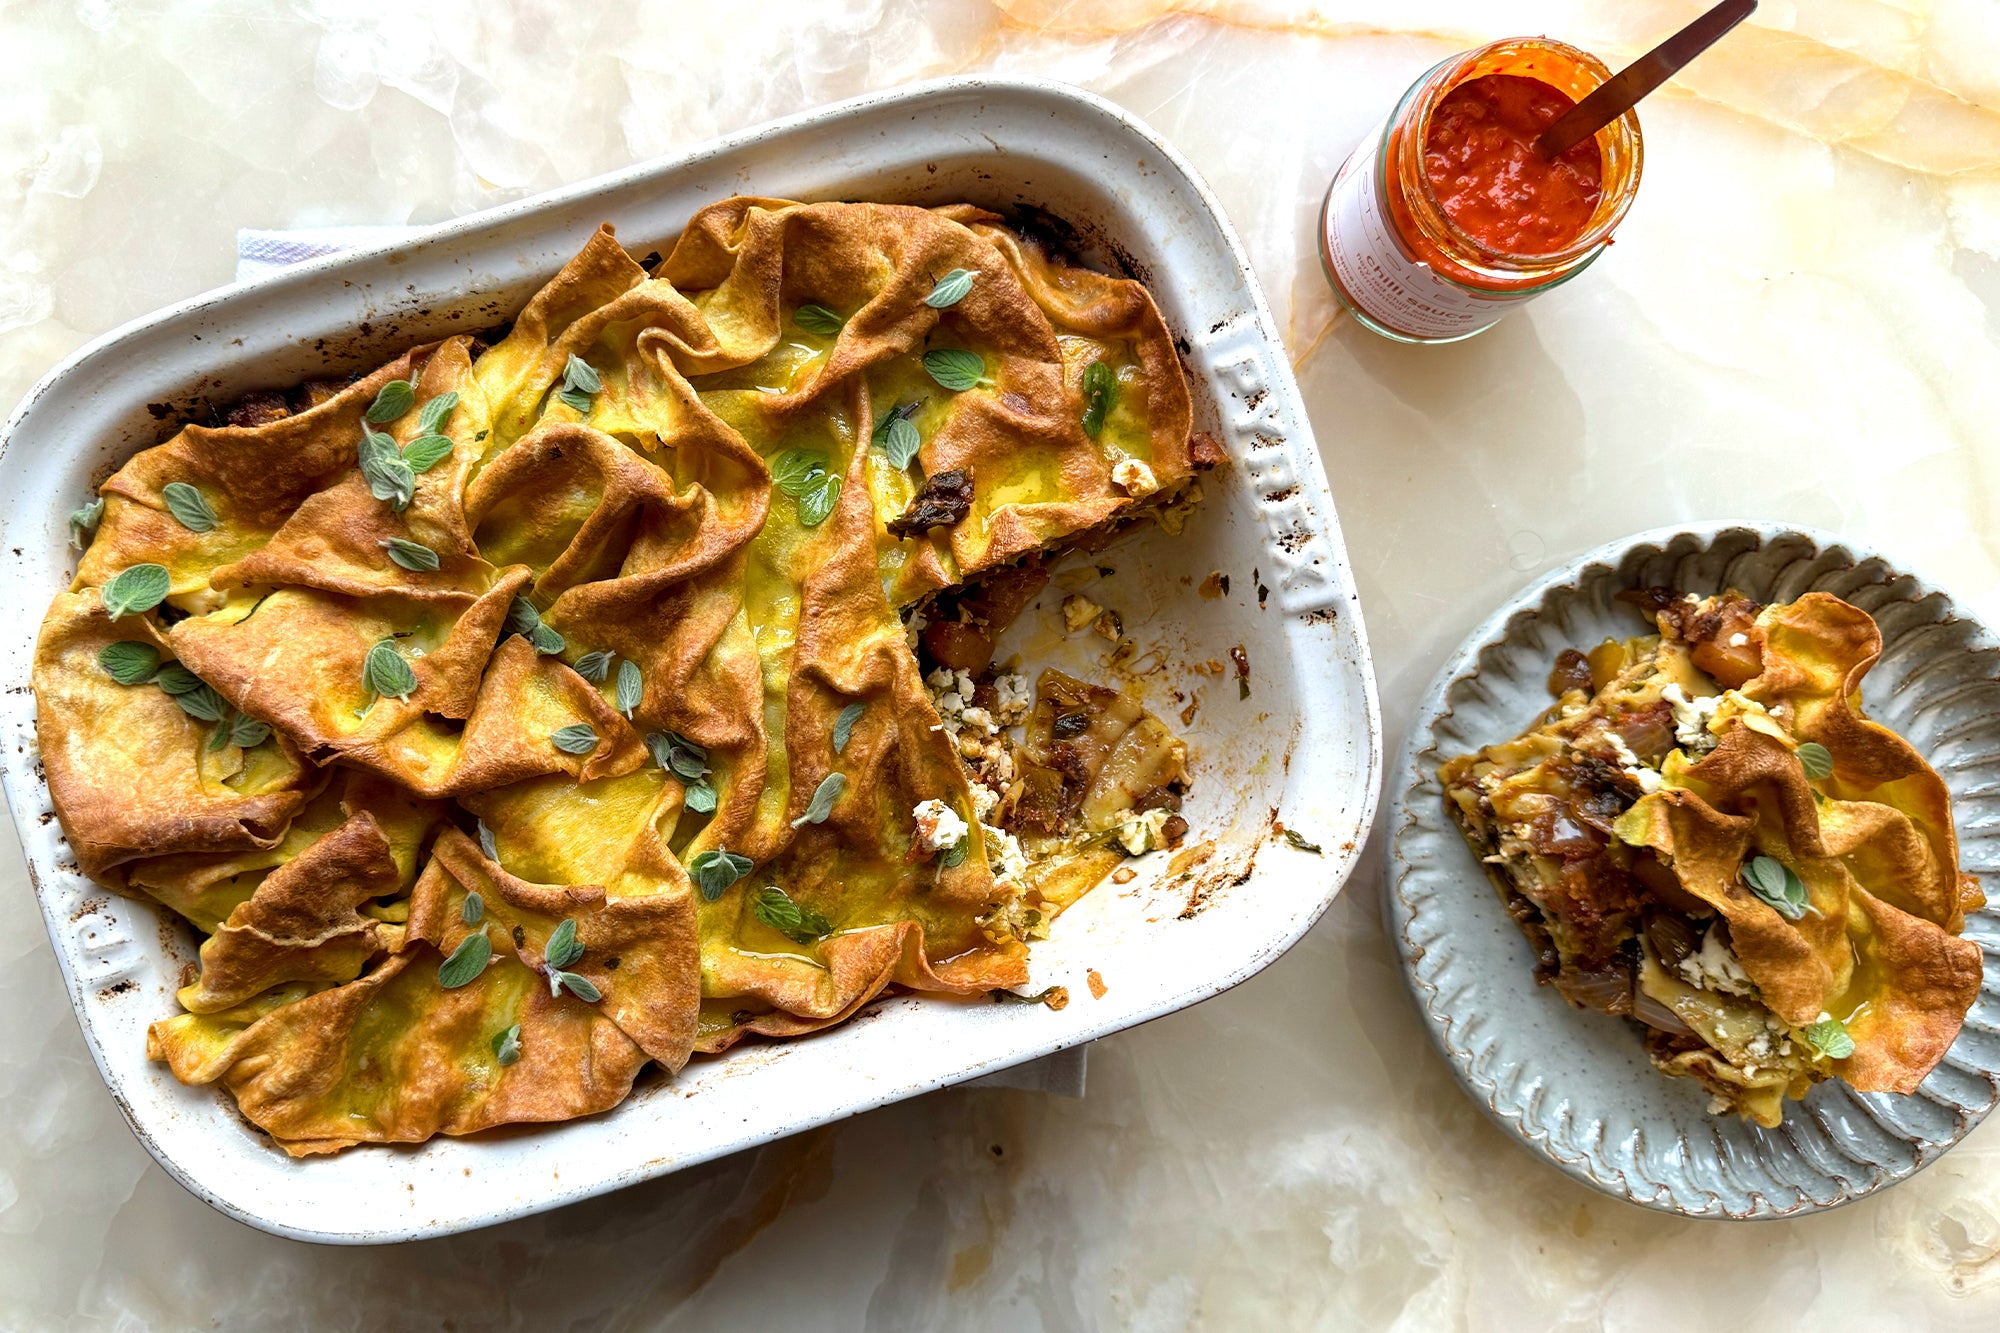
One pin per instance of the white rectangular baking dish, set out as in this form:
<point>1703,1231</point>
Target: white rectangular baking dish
<point>1305,743</point>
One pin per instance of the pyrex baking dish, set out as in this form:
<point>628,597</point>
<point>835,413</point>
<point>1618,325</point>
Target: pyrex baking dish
<point>1301,746</point>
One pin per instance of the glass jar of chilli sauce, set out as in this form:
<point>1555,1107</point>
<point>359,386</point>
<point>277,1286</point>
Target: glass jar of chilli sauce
<point>1446,216</point>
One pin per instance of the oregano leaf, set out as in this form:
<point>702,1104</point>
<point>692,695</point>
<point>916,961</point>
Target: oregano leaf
<point>411,555</point>
<point>486,842</point>
<point>129,663</point>
<point>83,521</point>
<point>700,796</point>
<point>385,674</point>
<point>955,368</point>
<point>247,732</point>
<point>829,790</point>
<point>426,452</point>
<point>189,507</point>
<point>843,726</point>
<point>951,288</point>
<point>546,640</point>
<point>580,375</point>
<point>581,987</point>
<point>507,1046</point>
<point>714,871</point>
<point>595,667</point>
<point>176,679</point>
<point>902,442</point>
<point>815,505</point>
<point>576,738</point>
<point>1780,889</point>
<point>202,703</point>
<point>467,961</point>
<point>135,590</point>
<point>473,910</point>
<point>797,922</point>
<point>563,947</point>
<point>631,686</point>
<point>1829,1037</point>
<point>1100,395</point>
<point>1816,760</point>
<point>819,320</point>
<point>392,401</point>
<point>797,471</point>
<point>436,412</point>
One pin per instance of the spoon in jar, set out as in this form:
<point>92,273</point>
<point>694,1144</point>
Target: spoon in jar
<point>1623,90</point>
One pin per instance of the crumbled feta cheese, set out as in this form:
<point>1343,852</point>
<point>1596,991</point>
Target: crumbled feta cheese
<point>1713,968</point>
<point>980,718</point>
<point>1648,779</point>
<point>938,825</point>
<point>1079,611</point>
<point>1141,833</point>
<point>1003,851</point>
<point>1013,698</point>
<point>1738,640</point>
<point>984,802</point>
<point>1134,478</point>
<point>1691,717</point>
<point>1615,742</point>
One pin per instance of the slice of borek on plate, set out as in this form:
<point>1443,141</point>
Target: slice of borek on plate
<point>1705,835</point>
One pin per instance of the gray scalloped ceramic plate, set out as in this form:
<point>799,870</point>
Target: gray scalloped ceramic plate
<point>1575,1087</point>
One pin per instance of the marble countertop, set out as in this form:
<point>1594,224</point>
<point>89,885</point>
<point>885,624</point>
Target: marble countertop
<point>1800,321</point>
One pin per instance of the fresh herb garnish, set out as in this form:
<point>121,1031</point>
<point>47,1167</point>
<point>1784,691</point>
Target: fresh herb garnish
<point>201,703</point>
<point>797,471</point>
<point>901,443</point>
<point>818,503</point>
<point>240,730</point>
<point>594,667</point>
<point>714,871</point>
<point>177,680</point>
<point>843,726</point>
<point>581,987</point>
<point>189,507</point>
<point>1292,837</point>
<point>1775,884</point>
<point>411,555</point>
<point>426,452</point>
<point>385,674</point>
<point>1816,760</point>
<point>700,796</point>
<point>954,855</point>
<point>486,843</point>
<point>802,474</point>
<point>1100,395</point>
<point>523,619</point>
<point>829,790</point>
<point>677,754</point>
<point>1829,1037</point>
<point>902,412</point>
<point>818,319</point>
<point>392,401</point>
<point>580,382</point>
<point>776,909</point>
<point>83,521</point>
<point>467,961</point>
<point>956,368</point>
<point>129,663</point>
<point>473,910</point>
<point>507,1046</point>
<point>436,412</point>
<point>135,590</point>
<point>631,686</point>
<point>951,288</point>
<point>576,738</point>
<point>388,474</point>
<point>563,947</point>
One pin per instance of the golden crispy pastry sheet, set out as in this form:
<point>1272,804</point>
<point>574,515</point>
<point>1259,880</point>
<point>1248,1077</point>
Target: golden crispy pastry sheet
<point>629,640</point>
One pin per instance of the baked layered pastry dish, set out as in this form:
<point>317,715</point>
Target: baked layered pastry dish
<point>573,699</point>
<point>1706,836</point>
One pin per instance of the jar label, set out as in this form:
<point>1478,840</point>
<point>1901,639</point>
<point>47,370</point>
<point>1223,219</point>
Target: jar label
<point>1369,263</point>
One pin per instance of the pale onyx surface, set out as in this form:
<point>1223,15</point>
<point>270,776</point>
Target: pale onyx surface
<point>1800,321</point>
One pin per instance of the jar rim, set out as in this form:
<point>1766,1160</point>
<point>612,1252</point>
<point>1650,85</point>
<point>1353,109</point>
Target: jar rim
<point>1626,142</point>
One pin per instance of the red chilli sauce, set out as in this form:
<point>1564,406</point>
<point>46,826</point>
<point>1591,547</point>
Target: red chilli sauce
<point>1479,154</point>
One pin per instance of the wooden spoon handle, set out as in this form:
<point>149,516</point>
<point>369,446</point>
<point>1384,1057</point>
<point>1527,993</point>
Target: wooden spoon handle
<point>1623,90</point>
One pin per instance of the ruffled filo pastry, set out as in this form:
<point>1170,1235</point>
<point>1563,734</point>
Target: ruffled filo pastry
<point>593,637</point>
